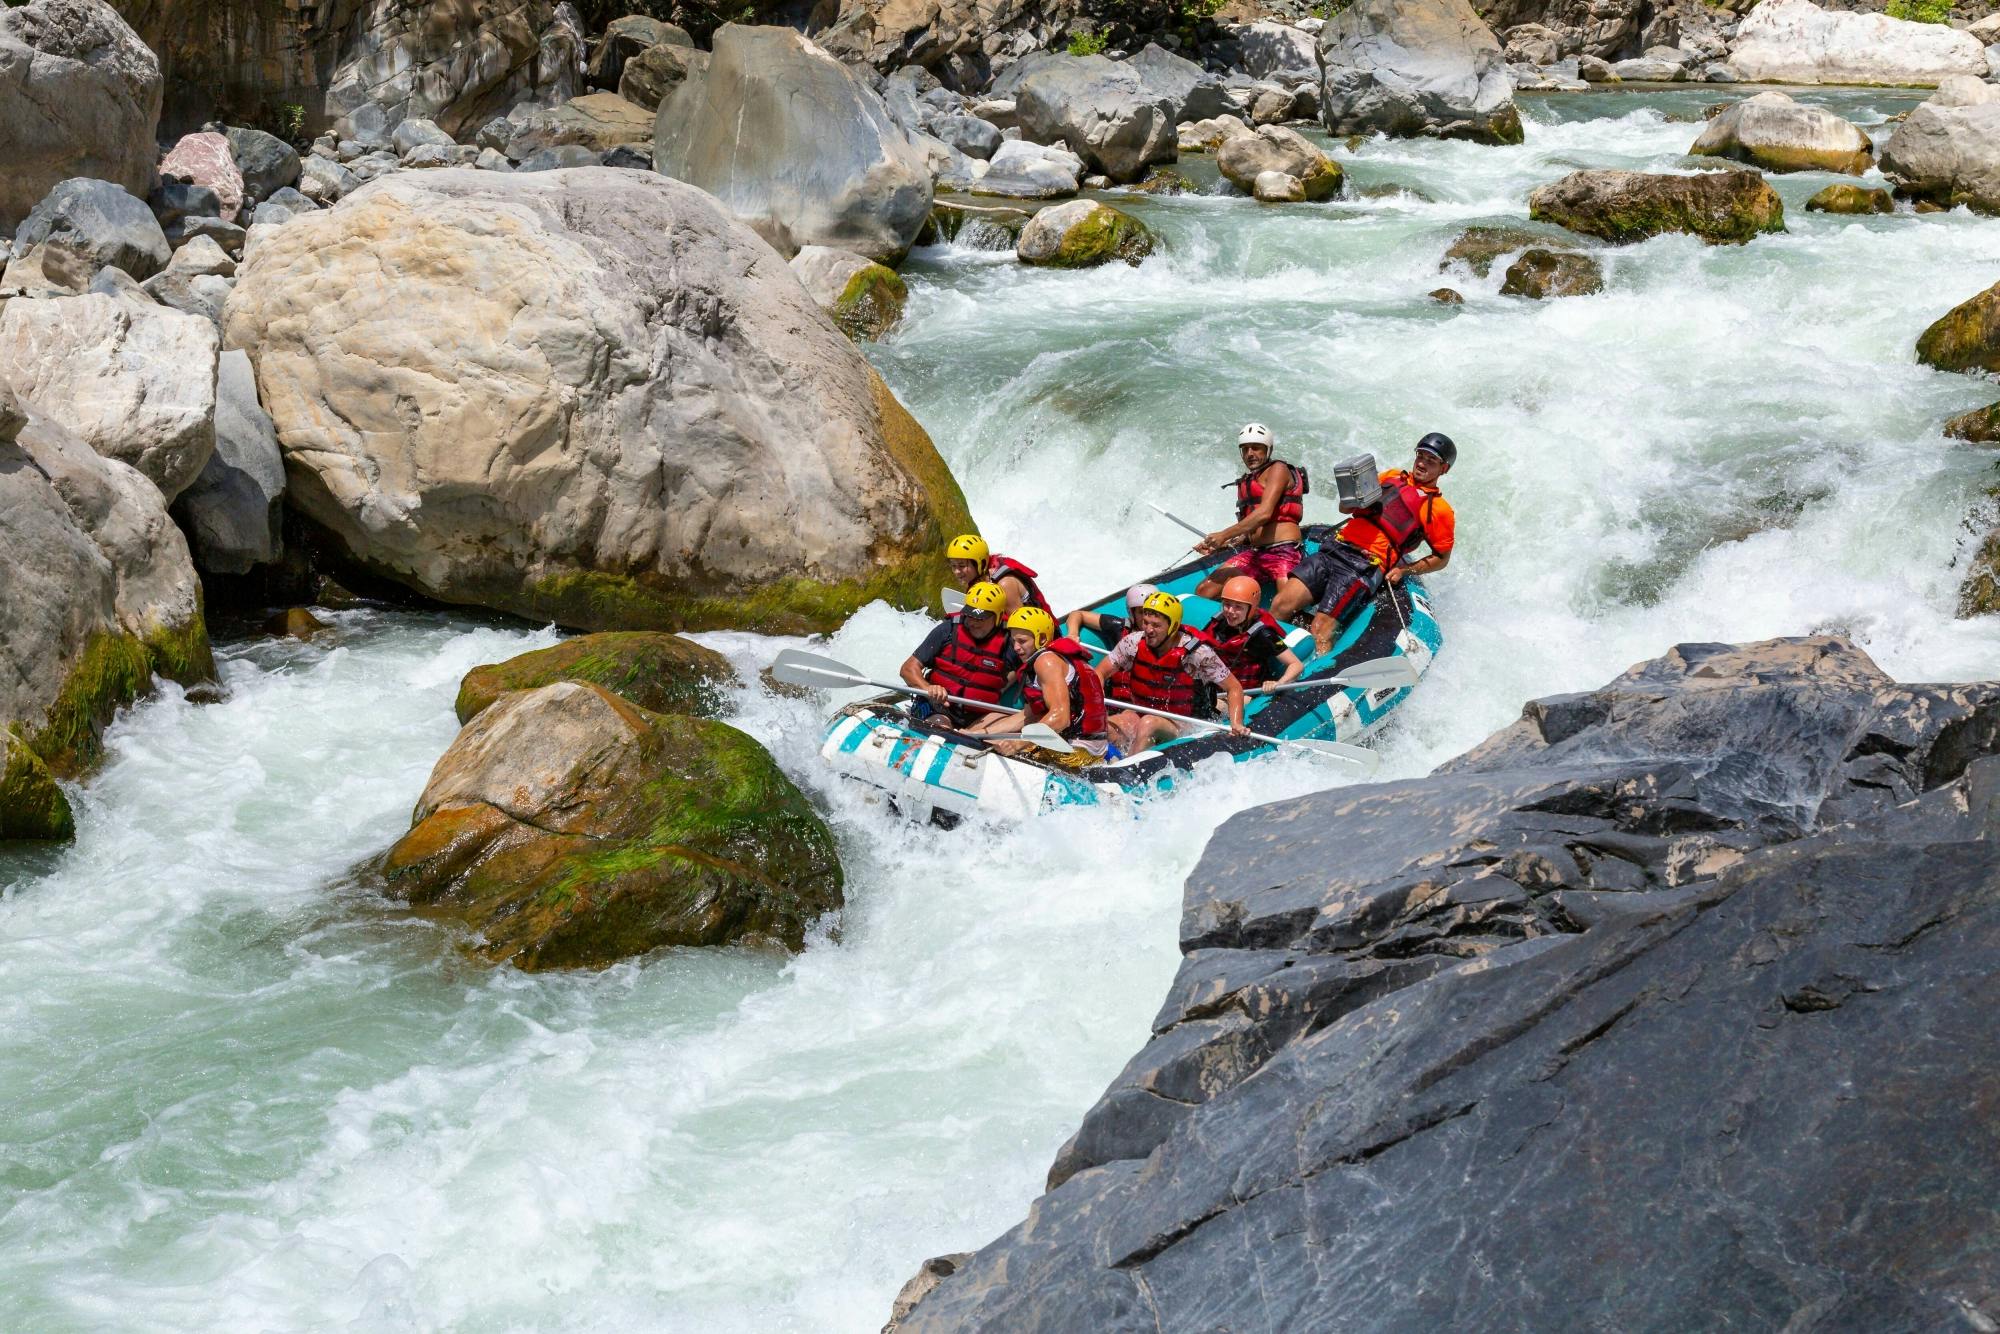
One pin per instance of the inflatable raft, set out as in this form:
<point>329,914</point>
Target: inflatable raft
<point>928,772</point>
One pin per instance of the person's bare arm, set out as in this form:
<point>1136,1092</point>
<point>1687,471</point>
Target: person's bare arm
<point>913,675</point>
<point>1267,510</point>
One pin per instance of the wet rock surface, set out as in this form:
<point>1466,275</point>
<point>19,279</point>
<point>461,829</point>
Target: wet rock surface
<point>1691,972</point>
<point>1723,207</point>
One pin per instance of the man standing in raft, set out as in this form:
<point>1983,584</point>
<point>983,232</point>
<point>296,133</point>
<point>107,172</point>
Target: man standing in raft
<point>1164,667</point>
<point>1270,502</point>
<point>971,562</point>
<point>1339,579</point>
<point>967,655</point>
<point>1058,687</point>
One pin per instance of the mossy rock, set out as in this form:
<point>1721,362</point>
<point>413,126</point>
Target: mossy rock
<point>567,827</point>
<point>661,672</point>
<point>1540,274</point>
<point>32,804</point>
<point>111,671</point>
<point>1855,199</point>
<point>1722,208</point>
<point>1981,426</point>
<point>1979,595</point>
<point>1966,337</point>
<point>1163,181</point>
<point>1478,247</point>
<point>1082,234</point>
<point>871,303</point>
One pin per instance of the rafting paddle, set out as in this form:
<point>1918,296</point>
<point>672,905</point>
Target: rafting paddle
<point>1168,514</point>
<point>952,599</point>
<point>1368,760</point>
<point>1375,674</point>
<point>796,667</point>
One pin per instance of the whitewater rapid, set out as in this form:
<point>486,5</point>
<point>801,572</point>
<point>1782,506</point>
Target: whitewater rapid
<point>237,1091</point>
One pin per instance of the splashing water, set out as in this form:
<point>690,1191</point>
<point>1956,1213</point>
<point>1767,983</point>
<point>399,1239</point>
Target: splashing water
<point>236,1092</point>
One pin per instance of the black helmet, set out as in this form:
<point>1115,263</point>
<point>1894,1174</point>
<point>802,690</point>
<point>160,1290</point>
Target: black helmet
<point>1439,444</point>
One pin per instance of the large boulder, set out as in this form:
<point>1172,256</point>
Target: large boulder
<point>1776,133</point>
<point>100,220</point>
<point>1966,337</point>
<point>1947,151</point>
<point>661,672</point>
<point>1019,169</point>
<point>267,163</point>
<point>650,77</point>
<point>969,36</point>
<point>570,828</point>
<point>599,122</point>
<point>1191,91</point>
<point>206,159</point>
<point>135,382</point>
<point>233,511</point>
<point>79,97</point>
<point>1103,110</point>
<point>795,145</point>
<point>1721,207</point>
<point>99,595</point>
<point>625,38</point>
<point>1795,41</point>
<point>1082,234</point>
<point>588,397</point>
<point>1680,976</point>
<point>864,298</point>
<point>1416,68</point>
<point>453,63</point>
<point>1243,158</point>
<point>1270,50</point>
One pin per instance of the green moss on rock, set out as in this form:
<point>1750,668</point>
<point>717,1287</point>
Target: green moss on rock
<point>111,671</point>
<point>1980,594</point>
<point>871,303</point>
<point>660,672</point>
<point>1082,234</point>
<point>32,804</point>
<point>1965,338</point>
<point>1542,274</point>
<point>1722,208</point>
<point>1852,199</point>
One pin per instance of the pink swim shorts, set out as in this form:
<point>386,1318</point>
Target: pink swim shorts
<point>1272,565</point>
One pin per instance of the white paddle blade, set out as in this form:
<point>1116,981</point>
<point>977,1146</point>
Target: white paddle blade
<point>1379,674</point>
<point>951,599</point>
<point>1367,760</point>
<point>796,667</point>
<point>1046,737</point>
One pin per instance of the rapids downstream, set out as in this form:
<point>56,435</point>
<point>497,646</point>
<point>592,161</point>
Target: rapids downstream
<point>238,1092</point>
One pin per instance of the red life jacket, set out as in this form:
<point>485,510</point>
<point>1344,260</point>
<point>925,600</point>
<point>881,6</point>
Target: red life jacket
<point>1162,681</point>
<point>1250,493</point>
<point>972,668</point>
<point>1086,690</point>
<point>1394,527</point>
<point>999,565</point>
<point>1234,646</point>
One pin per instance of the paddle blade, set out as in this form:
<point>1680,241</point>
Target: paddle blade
<point>1046,737</point>
<point>1366,760</point>
<point>796,667</point>
<point>1379,674</point>
<point>951,599</point>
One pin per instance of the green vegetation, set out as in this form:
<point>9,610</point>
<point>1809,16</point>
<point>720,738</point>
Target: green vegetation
<point>1920,11</point>
<point>1086,43</point>
<point>32,805</point>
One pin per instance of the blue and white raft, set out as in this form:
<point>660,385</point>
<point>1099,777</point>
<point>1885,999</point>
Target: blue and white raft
<point>928,772</point>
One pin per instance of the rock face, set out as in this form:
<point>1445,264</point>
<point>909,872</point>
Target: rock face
<point>946,34</point>
<point>588,397</point>
<point>1774,132</point>
<point>571,828</point>
<point>625,38</point>
<point>659,672</point>
<point>102,221</point>
<point>455,64</point>
<point>1243,158</point>
<point>1965,338</point>
<point>795,145</point>
<point>98,596</point>
<point>1276,51</point>
<point>1585,991</point>
<point>1795,41</point>
<point>135,382</point>
<point>233,512</point>
<point>79,97</point>
<point>1082,234</point>
<point>1721,207</point>
<point>1947,151</point>
<point>864,298</point>
<point>1540,274</point>
<point>1103,110</point>
<point>1416,67</point>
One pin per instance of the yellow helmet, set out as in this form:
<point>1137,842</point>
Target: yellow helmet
<point>1036,622</point>
<point>968,546</point>
<point>1166,604</point>
<point>986,597</point>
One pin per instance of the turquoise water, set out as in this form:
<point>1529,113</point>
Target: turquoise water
<point>236,1092</point>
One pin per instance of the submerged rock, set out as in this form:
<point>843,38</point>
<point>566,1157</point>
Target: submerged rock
<point>1082,234</point>
<point>1478,247</point>
<point>1966,337</point>
<point>1243,158</point>
<point>1775,133</point>
<point>864,298</point>
<point>663,673</point>
<point>1540,274</point>
<point>1571,994</point>
<point>1722,208</point>
<point>975,226</point>
<point>1981,426</point>
<point>588,397</point>
<point>570,828</point>
<point>1795,41</point>
<point>1416,68</point>
<point>1850,199</point>
<point>1446,296</point>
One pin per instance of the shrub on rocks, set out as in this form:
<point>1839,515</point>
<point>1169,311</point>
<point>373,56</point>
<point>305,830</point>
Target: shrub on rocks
<point>1082,234</point>
<point>1722,208</point>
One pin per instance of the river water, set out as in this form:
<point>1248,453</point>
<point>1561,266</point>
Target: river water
<point>237,1092</point>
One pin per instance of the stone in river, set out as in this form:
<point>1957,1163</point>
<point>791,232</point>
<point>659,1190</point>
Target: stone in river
<point>1723,208</point>
<point>661,672</point>
<point>1843,198</point>
<point>864,298</point>
<point>1081,234</point>
<point>1966,337</point>
<point>1243,158</point>
<point>1104,110</point>
<point>1775,133</point>
<point>1539,274</point>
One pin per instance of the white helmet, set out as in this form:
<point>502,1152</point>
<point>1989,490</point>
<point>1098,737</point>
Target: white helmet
<point>1137,594</point>
<point>1255,433</point>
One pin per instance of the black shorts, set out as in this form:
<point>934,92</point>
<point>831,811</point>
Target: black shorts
<point>1340,578</point>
